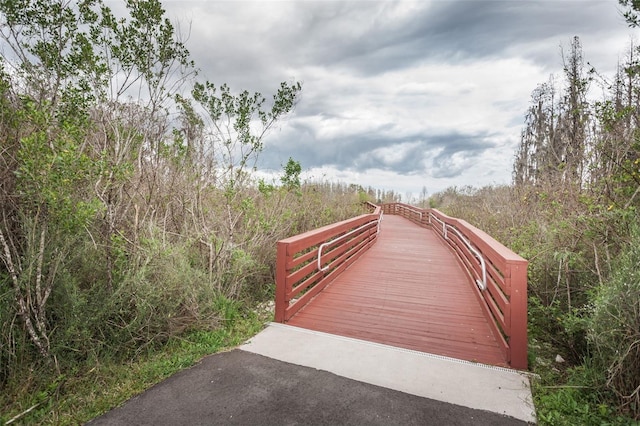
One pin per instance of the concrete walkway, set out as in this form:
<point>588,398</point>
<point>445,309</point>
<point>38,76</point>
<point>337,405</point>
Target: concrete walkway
<point>461,383</point>
<point>291,376</point>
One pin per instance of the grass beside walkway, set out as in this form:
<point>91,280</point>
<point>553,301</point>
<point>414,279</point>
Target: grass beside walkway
<point>104,386</point>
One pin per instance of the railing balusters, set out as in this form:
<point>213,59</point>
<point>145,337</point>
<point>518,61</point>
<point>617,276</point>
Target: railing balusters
<point>295,276</point>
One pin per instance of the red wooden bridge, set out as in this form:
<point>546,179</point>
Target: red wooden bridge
<point>411,278</point>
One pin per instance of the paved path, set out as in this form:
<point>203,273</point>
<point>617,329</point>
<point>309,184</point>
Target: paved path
<point>291,376</point>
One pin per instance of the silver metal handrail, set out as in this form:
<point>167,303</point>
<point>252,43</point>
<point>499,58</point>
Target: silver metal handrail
<point>481,284</point>
<point>335,240</point>
<point>444,225</point>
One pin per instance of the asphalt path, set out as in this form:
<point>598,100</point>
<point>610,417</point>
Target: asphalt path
<point>244,388</point>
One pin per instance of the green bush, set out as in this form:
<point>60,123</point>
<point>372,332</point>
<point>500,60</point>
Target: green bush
<point>574,396</point>
<point>615,326</point>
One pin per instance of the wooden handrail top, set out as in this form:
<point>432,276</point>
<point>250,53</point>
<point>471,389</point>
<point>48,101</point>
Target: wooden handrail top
<point>489,242</point>
<point>322,232</point>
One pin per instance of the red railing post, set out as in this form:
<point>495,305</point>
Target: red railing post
<point>281,282</point>
<point>518,301</point>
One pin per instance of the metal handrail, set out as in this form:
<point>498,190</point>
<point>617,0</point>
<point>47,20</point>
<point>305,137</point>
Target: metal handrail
<point>444,225</point>
<point>335,240</point>
<point>481,284</point>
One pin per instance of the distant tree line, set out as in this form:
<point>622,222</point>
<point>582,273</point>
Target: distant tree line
<point>573,143</point>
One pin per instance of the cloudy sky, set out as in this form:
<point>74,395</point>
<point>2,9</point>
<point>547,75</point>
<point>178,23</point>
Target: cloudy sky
<point>398,95</point>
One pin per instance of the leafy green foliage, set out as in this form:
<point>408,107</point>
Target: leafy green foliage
<point>573,404</point>
<point>631,14</point>
<point>54,55</point>
<point>615,326</point>
<point>50,171</point>
<point>128,234</point>
<point>233,119</point>
<point>570,240</point>
<point>291,177</point>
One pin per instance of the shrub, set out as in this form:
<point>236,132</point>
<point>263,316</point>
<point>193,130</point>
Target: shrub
<point>615,326</point>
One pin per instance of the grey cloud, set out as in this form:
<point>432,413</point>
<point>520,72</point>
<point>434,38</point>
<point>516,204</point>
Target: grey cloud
<point>457,153</point>
<point>365,37</point>
<point>405,161</point>
<point>440,155</point>
<point>343,53</point>
<point>304,145</point>
<point>459,31</point>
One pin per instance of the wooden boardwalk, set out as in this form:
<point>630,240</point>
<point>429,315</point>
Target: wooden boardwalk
<point>407,291</point>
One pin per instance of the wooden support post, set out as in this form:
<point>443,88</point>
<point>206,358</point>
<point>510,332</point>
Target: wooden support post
<point>518,335</point>
<point>281,282</point>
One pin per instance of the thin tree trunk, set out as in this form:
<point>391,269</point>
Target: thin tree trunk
<point>23,307</point>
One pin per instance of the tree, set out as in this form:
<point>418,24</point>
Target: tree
<point>423,197</point>
<point>291,177</point>
<point>553,143</point>
<point>574,115</point>
<point>238,125</point>
<point>95,164</point>
<point>51,64</point>
<point>65,66</point>
<point>538,156</point>
<point>631,14</point>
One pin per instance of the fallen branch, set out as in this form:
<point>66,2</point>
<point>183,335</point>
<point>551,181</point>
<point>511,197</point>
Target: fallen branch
<point>27,411</point>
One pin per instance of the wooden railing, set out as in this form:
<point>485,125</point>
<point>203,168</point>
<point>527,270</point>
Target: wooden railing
<point>500,275</point>
<point>308,262</point>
